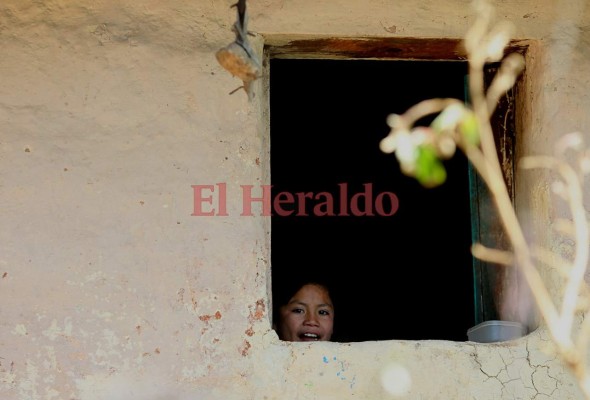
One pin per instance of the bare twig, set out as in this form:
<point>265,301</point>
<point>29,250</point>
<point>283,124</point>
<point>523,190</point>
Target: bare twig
<point>492,255</point>
<point>471,130</point>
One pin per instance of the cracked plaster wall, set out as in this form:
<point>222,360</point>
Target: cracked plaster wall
<point>109,289</point>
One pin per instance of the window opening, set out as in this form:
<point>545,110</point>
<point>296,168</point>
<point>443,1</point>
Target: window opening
<point>404,276</point>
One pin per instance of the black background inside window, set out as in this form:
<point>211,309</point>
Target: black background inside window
<point>405,276</point>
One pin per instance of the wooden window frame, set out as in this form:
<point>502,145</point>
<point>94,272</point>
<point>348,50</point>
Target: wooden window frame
<point>491,282</point>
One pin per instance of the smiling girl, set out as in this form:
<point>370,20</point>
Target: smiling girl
<point>308,316</point>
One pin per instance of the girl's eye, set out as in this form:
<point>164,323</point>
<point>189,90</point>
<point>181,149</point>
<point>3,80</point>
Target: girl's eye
<point>324,312</point>
<point>297,310</point>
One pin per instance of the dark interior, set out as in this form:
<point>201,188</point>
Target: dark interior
<point>404,276</point>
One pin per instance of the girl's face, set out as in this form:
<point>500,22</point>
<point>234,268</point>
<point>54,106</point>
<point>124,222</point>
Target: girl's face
<point>308,317</point>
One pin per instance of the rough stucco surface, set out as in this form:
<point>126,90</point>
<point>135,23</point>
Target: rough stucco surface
<point>110,289</point>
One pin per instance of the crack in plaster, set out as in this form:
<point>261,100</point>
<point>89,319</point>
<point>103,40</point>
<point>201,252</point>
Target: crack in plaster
<point>546,369</point>
<point>505,368</point>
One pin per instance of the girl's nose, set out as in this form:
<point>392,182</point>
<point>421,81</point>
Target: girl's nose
<point>311,320</point>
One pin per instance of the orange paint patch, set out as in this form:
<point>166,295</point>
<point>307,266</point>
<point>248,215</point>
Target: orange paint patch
<point>250,331</point>
<point>244,349</point>
<point>259,310</point>
<point>207,317</point>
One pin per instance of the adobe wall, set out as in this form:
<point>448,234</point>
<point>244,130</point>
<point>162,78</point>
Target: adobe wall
<point>109,289</point>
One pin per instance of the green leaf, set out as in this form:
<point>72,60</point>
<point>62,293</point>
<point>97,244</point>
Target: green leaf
<point>468,128</point>
<point>430,171</point>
